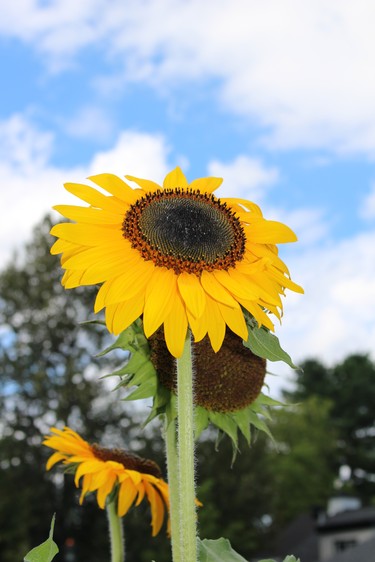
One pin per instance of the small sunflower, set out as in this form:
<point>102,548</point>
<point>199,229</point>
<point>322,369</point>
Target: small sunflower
<point>175,254</point>
<point>111,471</point>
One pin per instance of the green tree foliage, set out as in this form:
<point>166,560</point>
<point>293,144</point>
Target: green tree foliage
<point>350,386</point>
<point>303,470</point>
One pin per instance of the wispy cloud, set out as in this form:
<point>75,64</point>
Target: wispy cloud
<point>302,70</point>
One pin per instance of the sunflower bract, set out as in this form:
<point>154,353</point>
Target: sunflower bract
<point>175,254</point>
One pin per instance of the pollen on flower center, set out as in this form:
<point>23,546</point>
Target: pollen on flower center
<point>130,461</point>
<point>185,230</point>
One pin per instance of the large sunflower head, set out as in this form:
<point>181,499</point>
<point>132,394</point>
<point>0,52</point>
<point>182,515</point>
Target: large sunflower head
<point>175,254</point>
<point>111,473</point>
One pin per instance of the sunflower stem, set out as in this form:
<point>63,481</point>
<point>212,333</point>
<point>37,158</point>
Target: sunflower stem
<point>185,421</point>
<point>173,483</point>
<point>115,533</point>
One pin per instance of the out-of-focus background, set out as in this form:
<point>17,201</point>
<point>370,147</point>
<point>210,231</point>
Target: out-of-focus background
<point>277,97</point>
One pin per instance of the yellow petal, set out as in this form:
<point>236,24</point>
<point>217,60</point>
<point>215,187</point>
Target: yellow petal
<point>158,299</point>
<point>88,467</point>
<point>146,185</point>
<point>89,215</point>
<point>126,496</point>
<point>260,316</point>
<point>192,293</point>
<point>234,285</point>
<point>270,232</point>
<point>175,327</point>
<point>55,458</point>
<point>239,204</point>
<point>216,324</point>
<point>129,283</point>
<point>87,235</point>
<point>116,186</point>
<point>71,279</point>
<point>216,290</point>
<point>175,178</point>
<point>157,508</point>
<point>62,246</point>
<point>119,316</point>
<point>106,489</point>
<point>141,493</point>
<point>234,319</point>
<point>94,198</point>
<point>285,281</point>
<point>86,487</point>
<point>198,326</point>
<point>98,256</point>
<point>206,185</point>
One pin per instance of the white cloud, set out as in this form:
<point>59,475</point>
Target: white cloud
<point>302,70</point>
<point>367,209</point>
<point>31,185</point>
<point>244,177</point>
<point>90,122</point>
<point>137,154</point>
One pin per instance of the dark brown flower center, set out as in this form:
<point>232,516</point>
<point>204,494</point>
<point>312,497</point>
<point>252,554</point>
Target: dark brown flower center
<point>185,230</point>
<point>129,461</point>
<point>226,381</point>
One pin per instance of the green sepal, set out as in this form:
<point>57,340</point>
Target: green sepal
<point>264,344</point>
<point>260,424</point>
<point>218,550</point>
<point>126,338</point>
<point>46,551</point>
<point>147,390</point>
<point>226,424</point>
<point>136,361</point>
<point>241,418</point>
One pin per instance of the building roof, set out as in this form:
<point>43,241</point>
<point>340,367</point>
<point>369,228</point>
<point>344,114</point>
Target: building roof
<point>351,518</point>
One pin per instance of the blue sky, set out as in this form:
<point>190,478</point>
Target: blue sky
<point>278,97</point>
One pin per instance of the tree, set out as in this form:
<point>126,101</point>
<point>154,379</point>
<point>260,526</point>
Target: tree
<point>350,387</point>
<point>303,460</point>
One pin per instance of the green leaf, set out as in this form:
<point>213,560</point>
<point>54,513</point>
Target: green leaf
<point>218,550</point>
<point>264,344</point>
<point>46,551</point>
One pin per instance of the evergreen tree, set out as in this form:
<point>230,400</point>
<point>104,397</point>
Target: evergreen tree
<point>350,387</point>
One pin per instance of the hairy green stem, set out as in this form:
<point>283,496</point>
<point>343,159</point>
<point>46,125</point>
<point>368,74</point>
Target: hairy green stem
<point>185,421</point>
<point>115,533</point>
<point>174,494</point>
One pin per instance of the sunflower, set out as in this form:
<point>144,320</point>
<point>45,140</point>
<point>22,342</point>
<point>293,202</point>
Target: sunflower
<point>175,254</point>
<point>111,472</point>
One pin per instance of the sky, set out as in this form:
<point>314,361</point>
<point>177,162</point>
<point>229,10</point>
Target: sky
<point>277,97</point>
